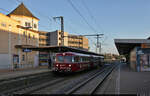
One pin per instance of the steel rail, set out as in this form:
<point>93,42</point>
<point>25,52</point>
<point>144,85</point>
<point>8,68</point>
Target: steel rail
<point>31,89</point>
<point>38,87</point>
<point>76,78</point>
<point>74,89</point>
<point>103,79</point>
<point>25,82</point>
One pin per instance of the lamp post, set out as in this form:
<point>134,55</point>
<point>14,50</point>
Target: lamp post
<point>26,41</point>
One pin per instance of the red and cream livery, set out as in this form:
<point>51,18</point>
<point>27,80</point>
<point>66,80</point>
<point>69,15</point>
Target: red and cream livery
<point>74,62</point>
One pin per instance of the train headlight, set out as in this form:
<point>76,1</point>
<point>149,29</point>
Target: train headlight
<point>57,65</point>
<point>69,65</point>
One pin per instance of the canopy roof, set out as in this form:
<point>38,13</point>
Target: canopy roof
<point>124,46</point>
<point>56,49</point>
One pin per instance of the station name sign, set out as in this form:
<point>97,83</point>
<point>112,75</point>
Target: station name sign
<point>27,50</point>
<point>140,52</point>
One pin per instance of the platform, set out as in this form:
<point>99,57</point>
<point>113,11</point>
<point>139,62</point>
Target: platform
<point>125,81</point>
<point>10,74</point>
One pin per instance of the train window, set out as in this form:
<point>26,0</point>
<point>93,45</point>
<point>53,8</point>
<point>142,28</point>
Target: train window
<point>76,59</point>
<point>81,59</point>
<point>68,59</point>
<point>88,59</point>
<point>92,59</point>
<point>60,59</point>
<point>84,59</point>
<point>73,59</point>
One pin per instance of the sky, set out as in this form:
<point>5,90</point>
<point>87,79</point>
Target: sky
<point>116,19</point>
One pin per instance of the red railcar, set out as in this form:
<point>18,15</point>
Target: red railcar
<point>74,62</point>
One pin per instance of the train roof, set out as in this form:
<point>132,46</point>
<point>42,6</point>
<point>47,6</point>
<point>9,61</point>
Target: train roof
<point>74,53</point>
<point>80,54</point>
<point>97,56</point>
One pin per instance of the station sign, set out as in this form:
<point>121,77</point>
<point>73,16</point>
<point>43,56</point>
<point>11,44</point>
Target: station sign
<point>27,50</point>
<point>140,52</point>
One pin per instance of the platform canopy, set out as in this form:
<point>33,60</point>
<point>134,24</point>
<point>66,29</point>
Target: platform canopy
<point>124,46</point>
<point>56,49</point>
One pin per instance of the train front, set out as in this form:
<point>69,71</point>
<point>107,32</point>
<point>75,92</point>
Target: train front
<point>63,63</point>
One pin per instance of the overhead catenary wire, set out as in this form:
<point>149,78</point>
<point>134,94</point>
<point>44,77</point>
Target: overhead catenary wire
<point>12,1</point>
<point>74,7</point>
<point>92,16</point>
<point>46,17</point>
<point>19,1</point>
<point>4,10</point>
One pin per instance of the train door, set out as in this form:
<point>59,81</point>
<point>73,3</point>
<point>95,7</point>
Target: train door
<point>91,62</point>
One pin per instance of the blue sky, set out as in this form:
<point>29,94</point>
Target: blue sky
<point>114,18</point>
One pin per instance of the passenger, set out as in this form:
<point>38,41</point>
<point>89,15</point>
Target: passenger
<point>49,63</point>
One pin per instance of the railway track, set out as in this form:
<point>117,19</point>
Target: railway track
<point>12,85</point>
<point>83,83</point>
<point>86,84</point>
<point>50,84</point>
<point>90,85</point>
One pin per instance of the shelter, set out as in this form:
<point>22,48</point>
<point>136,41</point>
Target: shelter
<point>55,49</point>
<point>137,52</point>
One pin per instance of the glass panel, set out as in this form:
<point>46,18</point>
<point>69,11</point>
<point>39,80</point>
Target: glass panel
<point>68,59</point>
<point>60,59</point>
<point>76,59</point>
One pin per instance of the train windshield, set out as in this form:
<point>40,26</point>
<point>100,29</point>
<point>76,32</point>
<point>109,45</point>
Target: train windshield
<point>68,59</point>
<point>61,59</point>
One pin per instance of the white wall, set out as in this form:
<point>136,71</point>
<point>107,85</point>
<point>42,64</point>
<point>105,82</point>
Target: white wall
<point>4,61</point>
<point>36,60</point>
<point>24,19</point>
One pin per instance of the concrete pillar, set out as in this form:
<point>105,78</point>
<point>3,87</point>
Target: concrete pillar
<point>9,48</point>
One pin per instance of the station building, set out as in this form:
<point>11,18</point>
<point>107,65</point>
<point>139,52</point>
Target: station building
<point>19,27</point>
<point>136,51</point>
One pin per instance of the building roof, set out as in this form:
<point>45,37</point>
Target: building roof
<point>138,41</point>
<point>124,46</point>
<point>22,10</point>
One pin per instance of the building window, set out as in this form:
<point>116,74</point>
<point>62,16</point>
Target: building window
<point>33,37</point>
<point>29,36</point>
<point>24,34</point>
<point>35,26</point>
<point>23,58</point>
<point>27,24</point>
<point>3,24</point>
<point>59,33</point>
